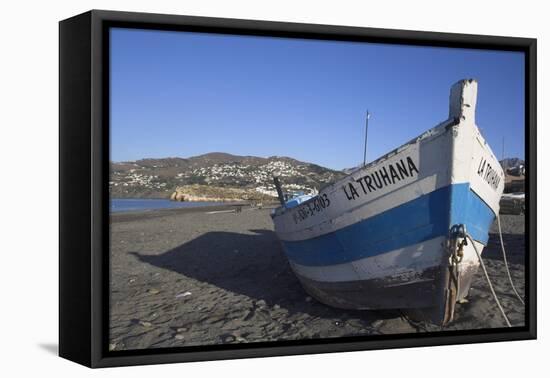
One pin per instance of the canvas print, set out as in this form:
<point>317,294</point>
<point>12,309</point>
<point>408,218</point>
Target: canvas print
<point>270,189</point>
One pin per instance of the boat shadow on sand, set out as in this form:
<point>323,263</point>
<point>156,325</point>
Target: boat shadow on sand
<point>253,265</point>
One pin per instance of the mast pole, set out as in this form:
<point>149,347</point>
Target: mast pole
<point>366,134</point>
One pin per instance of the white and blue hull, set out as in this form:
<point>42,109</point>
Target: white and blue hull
<point>379,238</point>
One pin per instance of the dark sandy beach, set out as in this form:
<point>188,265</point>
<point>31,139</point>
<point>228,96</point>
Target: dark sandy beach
<point>189,277</point>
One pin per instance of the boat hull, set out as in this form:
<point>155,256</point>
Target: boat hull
<point>381,237</point>
<point>378,293</point>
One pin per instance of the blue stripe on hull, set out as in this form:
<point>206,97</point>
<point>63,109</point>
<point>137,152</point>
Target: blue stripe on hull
<point>421,219</point>
<point>469,209</point>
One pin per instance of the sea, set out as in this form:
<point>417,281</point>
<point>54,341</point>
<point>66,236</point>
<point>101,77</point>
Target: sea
<point>119,205</point>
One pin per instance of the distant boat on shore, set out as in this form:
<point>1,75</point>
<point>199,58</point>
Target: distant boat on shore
<point>390,234</point>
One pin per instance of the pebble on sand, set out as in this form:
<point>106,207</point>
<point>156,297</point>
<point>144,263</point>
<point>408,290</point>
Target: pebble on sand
<point>229,339</point>
<point>377,323</point>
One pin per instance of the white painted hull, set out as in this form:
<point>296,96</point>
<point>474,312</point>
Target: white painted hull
<point>379,238</point>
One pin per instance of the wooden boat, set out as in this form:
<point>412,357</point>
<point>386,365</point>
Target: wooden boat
<point>391,234</point>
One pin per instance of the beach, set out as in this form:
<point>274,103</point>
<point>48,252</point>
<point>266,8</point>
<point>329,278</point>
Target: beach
<point>204,276</point>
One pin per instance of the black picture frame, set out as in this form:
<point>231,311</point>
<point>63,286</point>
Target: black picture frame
<point>84,195</point>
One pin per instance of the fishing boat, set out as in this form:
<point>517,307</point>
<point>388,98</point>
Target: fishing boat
<point>392,233</point>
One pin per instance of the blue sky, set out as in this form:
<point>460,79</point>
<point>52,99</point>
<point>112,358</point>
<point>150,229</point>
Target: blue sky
<point>184,94</point>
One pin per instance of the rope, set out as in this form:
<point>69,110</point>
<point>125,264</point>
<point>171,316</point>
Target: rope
<point>506,263</point>
<point>489,281</point>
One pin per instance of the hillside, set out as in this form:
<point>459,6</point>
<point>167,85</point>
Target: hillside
<point>214,172</point>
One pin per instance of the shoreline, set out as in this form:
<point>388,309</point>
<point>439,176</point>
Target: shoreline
<point>125,216</point>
